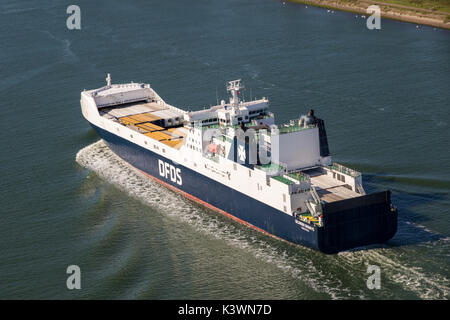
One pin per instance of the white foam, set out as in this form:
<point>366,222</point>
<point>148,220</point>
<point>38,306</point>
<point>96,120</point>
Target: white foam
<point>411,278</point>
<point>304,264</point>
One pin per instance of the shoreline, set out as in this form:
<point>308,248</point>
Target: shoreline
<point>438,19</point>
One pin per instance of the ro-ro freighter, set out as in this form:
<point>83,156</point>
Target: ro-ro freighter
<point>234,159</point>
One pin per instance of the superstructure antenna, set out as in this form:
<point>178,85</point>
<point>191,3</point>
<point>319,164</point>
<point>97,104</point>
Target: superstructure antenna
<point>217,97</point>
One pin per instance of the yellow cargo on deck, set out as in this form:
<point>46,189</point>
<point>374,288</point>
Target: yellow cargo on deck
<point>149,127</point>
<point>157,135</point>
<point>144,117</point>
<point>139,118</point>
<point>128,121</point>
<point>162,135</point>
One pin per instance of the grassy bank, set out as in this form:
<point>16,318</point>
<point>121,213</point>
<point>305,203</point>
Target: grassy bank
<point>434,5</point>
<point>428,12</point>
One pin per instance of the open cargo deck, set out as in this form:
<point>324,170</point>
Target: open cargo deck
<point>329,189</point>
<point>151,119</point>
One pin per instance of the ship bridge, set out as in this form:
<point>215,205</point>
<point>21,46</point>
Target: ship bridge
<point>233,113</point>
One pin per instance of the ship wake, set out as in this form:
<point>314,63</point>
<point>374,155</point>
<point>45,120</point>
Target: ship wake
<point>322,273</point>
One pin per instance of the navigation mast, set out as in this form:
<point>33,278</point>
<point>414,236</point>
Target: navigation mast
<point>234,87</point>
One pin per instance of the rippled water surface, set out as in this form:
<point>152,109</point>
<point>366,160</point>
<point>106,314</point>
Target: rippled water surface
<point>66,199</point>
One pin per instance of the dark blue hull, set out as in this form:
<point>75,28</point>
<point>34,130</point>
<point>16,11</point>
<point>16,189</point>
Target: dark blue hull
<point>229,201</point>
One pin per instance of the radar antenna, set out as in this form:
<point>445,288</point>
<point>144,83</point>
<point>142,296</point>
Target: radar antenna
<point>234,87</point>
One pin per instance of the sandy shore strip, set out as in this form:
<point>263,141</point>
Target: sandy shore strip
<point>439,19</point>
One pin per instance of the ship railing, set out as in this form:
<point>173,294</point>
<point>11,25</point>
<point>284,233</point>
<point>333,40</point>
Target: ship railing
<point>293,127</point>
<point>299,176</point>
<point>345,170</point>
<point>272,169</point>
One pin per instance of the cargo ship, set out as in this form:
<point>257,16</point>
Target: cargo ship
<point>234,159</point>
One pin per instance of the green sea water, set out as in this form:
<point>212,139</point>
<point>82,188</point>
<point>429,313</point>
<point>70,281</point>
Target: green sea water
<point>67,200</point>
